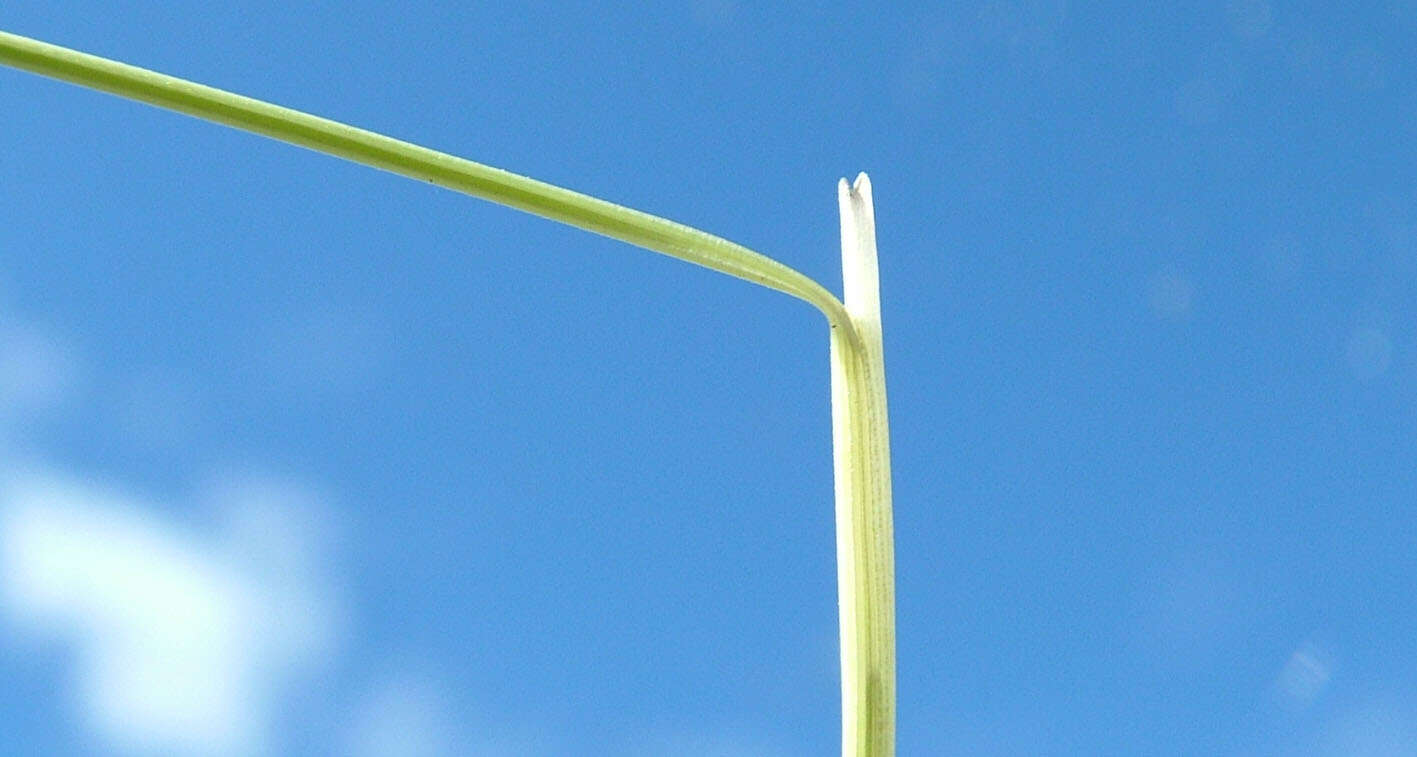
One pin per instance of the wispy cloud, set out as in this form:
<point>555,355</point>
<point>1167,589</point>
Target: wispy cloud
<point>1304,677</point>
<point>182,644</point>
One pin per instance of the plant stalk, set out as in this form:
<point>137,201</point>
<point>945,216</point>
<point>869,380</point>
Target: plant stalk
<point>861,458</point>
<point>444,170</point>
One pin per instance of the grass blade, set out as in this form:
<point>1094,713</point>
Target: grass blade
<point>376,150</point>
<point>861,454</point>
<point>861,459</point>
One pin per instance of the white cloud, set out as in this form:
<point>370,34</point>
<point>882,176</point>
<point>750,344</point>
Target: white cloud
<point>181,646</point>
<point>1304,677</point>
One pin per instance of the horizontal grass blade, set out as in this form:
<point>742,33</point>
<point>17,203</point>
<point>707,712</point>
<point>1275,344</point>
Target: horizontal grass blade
<point>458,174</point>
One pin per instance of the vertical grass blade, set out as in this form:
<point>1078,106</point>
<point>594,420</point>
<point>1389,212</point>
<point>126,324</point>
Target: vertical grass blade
<point>861,458</point>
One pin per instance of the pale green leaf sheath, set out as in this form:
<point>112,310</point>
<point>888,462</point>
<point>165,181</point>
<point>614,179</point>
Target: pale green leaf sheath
<point>861,453</point>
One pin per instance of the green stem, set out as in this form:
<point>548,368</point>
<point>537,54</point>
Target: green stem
<point>860,445</point>
<point>861,455</point>
<point>397,156</point>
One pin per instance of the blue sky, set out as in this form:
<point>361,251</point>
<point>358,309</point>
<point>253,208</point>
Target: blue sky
<point>301,457</point>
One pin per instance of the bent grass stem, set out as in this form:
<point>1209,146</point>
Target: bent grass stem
<point>861,450</point>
